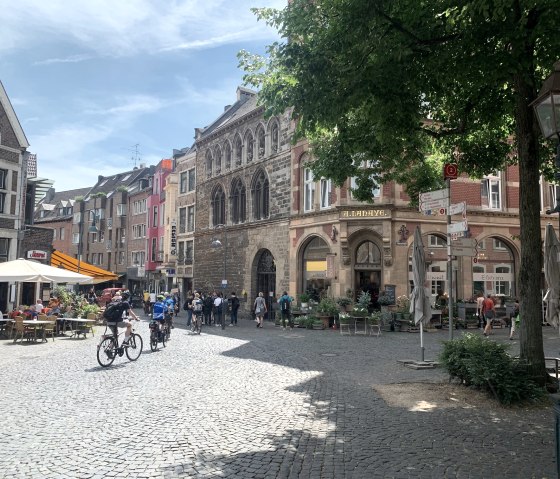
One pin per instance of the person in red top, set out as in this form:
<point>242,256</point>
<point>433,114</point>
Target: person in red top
<point>489,312</point>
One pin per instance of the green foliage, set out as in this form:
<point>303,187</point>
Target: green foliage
<point>84,308</point>
<point>122,189</point>
<point>384,299</point>
<point>63,295</point>
<point>343,301</point>
<point>327,306</point>
<point>403,304</point>
<point>486,365</point>
<point>304,297</point>
<point>307,321</point>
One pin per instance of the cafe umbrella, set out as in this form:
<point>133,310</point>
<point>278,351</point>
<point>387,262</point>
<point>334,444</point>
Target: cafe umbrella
<point>23,270</point>
<point>552,276</point>
<point>420,304</point>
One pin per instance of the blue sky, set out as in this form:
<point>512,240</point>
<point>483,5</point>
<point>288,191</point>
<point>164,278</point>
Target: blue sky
<point>91,79</point>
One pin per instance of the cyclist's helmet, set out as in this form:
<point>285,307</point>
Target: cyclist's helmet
<point>160,296</point>
<point>125,295</point>
<point>166,294</point>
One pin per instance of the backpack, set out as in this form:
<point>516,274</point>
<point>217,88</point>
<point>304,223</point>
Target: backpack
<point>197,306</point>
<point>113,312</point>
<point>285,304</point>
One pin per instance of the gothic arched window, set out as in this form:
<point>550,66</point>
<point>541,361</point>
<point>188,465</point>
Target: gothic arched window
<point>208,164</point>
<point>218,160</point>
<point>260,196</point>
<point>260,142</point>
<point>238,151</point>
<point>250,147</point>
<point>218,207</point>
<point>274,138</point>
<point>227,155</point>
<point>238,202</point>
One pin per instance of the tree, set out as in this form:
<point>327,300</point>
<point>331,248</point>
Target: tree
<point>398,83</point>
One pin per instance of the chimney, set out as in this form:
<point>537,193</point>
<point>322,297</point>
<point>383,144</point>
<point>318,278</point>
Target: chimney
<point>197,133</point>
<point>142,165</point>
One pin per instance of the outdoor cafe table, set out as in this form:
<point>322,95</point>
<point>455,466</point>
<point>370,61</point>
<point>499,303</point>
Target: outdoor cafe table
<point>36,324</point>
<point>75,324</point>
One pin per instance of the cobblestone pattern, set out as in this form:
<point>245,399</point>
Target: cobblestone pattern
<point>251,403</point>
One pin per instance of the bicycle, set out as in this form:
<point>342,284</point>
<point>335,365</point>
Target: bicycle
<point>157,335</point>
<point>108,349</point>
<point>167,325</point>
<point>196,323</point>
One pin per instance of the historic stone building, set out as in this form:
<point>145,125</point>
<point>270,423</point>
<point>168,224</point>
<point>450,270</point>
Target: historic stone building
<point>243,200</point>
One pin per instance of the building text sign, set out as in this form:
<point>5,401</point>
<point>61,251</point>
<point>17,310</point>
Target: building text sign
<point>492,277</point>
<point>173,251</point>
<point>36,254</point>
<point>366,213</point>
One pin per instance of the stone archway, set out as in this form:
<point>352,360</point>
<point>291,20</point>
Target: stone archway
<point>266,278</point>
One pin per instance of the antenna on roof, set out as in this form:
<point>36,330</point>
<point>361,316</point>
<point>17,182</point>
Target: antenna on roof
<point>135,158</point>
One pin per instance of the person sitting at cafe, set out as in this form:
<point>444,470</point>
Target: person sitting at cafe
<point>54,306</point>
<point>38,307</point>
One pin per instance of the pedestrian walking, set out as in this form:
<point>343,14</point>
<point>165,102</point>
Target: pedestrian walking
<point>260,309</point>
<point>515,320</point>
<point>285,302</point>
<point>233,307</point>
<point>489,312</point>
<point>208,304</point>
<point>218,310</point>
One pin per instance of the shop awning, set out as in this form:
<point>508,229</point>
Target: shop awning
<point>61,260</point>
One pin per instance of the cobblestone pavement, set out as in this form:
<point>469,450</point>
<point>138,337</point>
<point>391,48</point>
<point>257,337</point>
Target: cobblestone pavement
<point>252,403</point>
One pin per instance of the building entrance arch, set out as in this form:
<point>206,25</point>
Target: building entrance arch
<point>367,270</point>
<point>266,279</point>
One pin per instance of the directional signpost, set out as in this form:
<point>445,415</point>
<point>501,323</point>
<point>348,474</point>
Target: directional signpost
<point>458,227</point>
<point>464,247</point>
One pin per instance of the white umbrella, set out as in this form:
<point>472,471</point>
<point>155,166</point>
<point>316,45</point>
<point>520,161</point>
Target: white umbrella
<point>34,272</point>
<point>419,303</point>
<point>552,276</point>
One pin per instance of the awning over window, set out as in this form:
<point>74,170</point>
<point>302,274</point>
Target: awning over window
<point>61,260</point>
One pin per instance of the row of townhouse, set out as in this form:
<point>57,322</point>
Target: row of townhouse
<point>240,209</point>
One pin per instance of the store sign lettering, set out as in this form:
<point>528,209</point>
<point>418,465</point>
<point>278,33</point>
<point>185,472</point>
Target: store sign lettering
<point>363,213</point>
<point>173,237</point>
<point>492,276</point>
<point>36,254</point>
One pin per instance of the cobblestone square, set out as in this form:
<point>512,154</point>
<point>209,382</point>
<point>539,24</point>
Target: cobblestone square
<point>253,403</point>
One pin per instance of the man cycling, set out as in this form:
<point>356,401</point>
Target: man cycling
<point>159,309</point>
<point>124,321</point>
<point>169,308</point>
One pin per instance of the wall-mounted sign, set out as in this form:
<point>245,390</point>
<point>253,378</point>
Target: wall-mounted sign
<point>173,250</point>
<point>492,277</point>
<point>36,254</point>
<point>369,213</point>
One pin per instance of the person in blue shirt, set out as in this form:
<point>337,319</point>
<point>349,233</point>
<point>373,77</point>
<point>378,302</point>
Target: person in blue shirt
<point>170,308</point>
<point>285,302</point>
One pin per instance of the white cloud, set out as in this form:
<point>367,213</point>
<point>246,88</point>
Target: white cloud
<point>116,29</point>
<point>130,105</point>
<point>70,59</point>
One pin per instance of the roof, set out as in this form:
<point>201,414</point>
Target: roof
<point>52,200</point>
<point>246,103</point>
<point>108,184</point>
<point>12,117</point>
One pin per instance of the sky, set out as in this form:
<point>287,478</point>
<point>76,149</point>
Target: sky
<point>97,84</point>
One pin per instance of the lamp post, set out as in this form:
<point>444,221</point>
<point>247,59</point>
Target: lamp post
<point>216,243</point>
<point>547,109</point>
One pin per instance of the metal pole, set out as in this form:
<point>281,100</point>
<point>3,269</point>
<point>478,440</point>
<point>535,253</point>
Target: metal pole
<point>449,262</point>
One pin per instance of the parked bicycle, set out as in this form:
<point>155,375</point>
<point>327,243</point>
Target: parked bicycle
<point>157,335</point>
<point>109,348</point>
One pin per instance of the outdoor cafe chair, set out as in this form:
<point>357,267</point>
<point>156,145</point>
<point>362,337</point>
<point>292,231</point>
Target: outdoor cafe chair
<point>49,328</point>
<point>22,330</point>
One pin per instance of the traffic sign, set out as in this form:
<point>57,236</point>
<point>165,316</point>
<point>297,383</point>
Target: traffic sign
<point>464,243</point>
<point>433,195</point>
<point>460,251</point>
<point>450,171</point>
<point>435,212</point>
<point>433,204</point>
<point>458,208</point>
<point>457,227</point>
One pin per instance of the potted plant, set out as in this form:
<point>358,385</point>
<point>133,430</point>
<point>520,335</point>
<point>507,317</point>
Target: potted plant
<point>402,304</point>
<point>343,302</point>
<point>304,300</point>
<point>375,321</point>
<point>326,309</point>
<point>384,300</point>
<point>361,308</point>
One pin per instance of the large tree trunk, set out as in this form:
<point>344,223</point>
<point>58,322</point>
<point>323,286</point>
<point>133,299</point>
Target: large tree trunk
<point>531,339</point>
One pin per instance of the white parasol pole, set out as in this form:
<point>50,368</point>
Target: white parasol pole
<point>422,341</point>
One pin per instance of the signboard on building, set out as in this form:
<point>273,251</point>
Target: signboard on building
<point>141,271</point>
<point>492,277</point>
<point>363,213</point>
<point>36,254</point>
<point>173,250</point>
<point>436,275</point>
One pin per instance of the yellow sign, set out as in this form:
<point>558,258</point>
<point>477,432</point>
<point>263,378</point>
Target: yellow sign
<point>315,266</point>
<point>363,213</point>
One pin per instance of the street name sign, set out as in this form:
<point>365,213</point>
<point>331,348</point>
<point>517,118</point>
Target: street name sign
<point>433,204</point>
<point>460,251</point>
<point>464,243</point>
<point>434,195</point>
<point>458,208</point>
<point>458,227</point>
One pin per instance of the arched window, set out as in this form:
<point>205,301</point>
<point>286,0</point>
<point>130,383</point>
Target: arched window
<point>218,207</point>
<point>238,202</point>
<point>368,254</point>
<point>274,138</point>
<point>208,164</point>
<point>227,155</point>
<point>218,160</point>
<point>249,146</point>
<point>260,196</point>
<point>238,151</point>
<point>260,142</point>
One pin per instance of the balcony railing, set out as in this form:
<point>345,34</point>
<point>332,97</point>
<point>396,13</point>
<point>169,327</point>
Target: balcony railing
<point>159,256</point>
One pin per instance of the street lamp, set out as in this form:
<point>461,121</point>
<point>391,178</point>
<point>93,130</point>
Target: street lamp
<point>216,243</point>
<point>547,109</point>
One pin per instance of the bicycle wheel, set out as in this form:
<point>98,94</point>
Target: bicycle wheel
<point>134,348</point>
<point>167,331</point>
<point>198,325</point>
<point>163,339</point>
<point>153,340</point>
<point>106,352</point>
